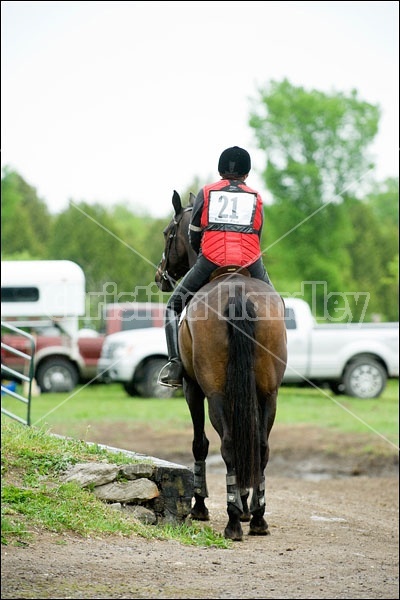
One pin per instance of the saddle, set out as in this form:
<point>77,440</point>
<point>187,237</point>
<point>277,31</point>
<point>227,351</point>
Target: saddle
<point>228,269</point>
<point>220,272</point>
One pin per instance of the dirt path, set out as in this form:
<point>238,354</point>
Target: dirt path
<point>334,534</point>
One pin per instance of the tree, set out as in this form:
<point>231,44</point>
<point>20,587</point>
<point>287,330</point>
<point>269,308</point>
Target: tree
<point>374,246</point>
<point>316,150</point>
<point>26,222</point>
<point>117,251</point>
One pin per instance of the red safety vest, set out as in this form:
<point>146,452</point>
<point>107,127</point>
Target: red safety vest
<point>231,221</point>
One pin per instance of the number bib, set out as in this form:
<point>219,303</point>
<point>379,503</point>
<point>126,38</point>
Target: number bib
<point>231,208</point>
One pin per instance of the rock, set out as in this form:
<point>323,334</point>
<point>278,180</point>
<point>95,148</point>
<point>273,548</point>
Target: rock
<point>141,513</point>
<point>86,474</point>
<point>139,490</point>
<point>137,470</point>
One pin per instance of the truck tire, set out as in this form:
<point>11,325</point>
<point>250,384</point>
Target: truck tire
<point>337,387</point>
<point>130,388</point>
<point>57,375</point>
<point>149,386</point>
<point>364,378</point>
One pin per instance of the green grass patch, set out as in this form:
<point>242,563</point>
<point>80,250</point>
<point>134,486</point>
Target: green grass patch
<point>32,459</point>
<point>33,497</point>
<point>101,403</point>
<point>321,408</point>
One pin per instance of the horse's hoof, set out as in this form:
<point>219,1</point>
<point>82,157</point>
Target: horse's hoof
<point>259,528</point>
<point>234,537</point>
<point>259,532</point>
<point>200,515</point>
<point>245,517</point>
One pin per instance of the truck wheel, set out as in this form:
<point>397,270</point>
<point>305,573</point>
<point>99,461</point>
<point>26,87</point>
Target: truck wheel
<point>336,387</point>
<point>149,386</point>
<point>364,378</point>
<point>56,375</point>
<point>130,388</point>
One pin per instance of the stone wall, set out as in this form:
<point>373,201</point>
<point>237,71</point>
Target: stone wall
<point>155,491</point>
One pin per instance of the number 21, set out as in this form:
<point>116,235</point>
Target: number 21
<point>225,215</point>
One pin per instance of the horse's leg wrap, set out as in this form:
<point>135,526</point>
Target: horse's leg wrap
<point>244,494</point>
<point>233,492</point>
<point>200,483</point>
<point>258,497</point>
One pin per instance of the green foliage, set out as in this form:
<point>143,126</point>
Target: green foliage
<point>117,250</point>
<point>26,222</point>
<point>383,203</point>
<point>318,228</point>
<point>373,251</point>
<point>315,143</point>
<point>326,224</point>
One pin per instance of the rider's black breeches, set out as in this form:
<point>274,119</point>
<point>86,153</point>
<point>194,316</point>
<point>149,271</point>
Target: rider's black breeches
<point>199,275</point>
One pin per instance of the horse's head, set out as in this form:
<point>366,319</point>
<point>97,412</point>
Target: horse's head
<point>178,255</point>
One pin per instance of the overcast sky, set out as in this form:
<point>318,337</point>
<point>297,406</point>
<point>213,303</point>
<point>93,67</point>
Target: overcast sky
<point>126,101</point>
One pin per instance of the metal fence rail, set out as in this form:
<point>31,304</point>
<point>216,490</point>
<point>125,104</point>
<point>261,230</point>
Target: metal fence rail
<point>20,377</point>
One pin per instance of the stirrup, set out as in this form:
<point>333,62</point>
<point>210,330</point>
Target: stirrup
<point>166,379</point>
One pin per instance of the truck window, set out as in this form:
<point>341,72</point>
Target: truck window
<point>19,294</point>
<point>136,319</point>
<point>290,318</point>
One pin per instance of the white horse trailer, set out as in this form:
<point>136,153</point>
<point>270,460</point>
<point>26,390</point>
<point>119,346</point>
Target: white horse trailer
<point>43,289</point>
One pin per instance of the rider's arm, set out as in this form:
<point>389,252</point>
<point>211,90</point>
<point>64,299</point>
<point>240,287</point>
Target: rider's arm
<point>195,230</point>
<point>262,216</point>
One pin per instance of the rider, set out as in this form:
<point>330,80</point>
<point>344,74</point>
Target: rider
<point>225,229</point>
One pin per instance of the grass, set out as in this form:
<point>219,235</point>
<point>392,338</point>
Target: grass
<point>296,405</point>
<point>33,496</point>
<point>34,499</point>
<point>323,409</point>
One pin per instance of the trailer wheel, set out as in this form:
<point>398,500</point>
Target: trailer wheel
<point>364,378</point>
<point>57,375</point>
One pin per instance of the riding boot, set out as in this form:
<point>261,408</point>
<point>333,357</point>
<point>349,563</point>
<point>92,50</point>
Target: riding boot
<point>171,373</point>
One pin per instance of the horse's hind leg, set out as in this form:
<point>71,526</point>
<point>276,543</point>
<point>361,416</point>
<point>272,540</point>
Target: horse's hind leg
<point>233,530</point>
<point>237,506</point>
<point>258,525</point>
<point>246,515</point>
<point>195,400</point>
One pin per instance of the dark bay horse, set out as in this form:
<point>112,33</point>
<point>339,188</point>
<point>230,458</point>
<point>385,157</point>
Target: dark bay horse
<point>232,342</point>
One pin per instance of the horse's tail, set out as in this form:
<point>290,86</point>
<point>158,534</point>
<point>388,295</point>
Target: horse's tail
<point>240,389</point>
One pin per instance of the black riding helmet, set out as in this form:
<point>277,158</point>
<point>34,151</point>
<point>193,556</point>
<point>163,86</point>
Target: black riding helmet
<point>234,162</point>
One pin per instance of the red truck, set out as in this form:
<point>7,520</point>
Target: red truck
<point>47,298</point>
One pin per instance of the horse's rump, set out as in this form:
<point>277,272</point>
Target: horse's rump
<point>204,332</point>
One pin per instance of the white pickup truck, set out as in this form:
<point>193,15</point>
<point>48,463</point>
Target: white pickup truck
<point>354,359</point>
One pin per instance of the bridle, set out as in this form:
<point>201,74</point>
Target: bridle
<point>163,268</point>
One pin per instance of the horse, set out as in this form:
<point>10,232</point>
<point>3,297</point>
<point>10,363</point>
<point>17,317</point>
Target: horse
<point>232,343</point>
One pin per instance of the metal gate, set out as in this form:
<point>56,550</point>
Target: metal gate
<point>19,377</point>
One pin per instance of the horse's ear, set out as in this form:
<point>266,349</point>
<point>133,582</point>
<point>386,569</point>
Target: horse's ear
<point>192,198</point>
<point>176,202</point>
